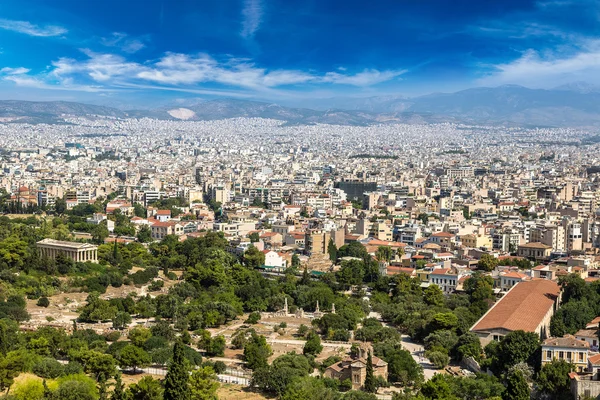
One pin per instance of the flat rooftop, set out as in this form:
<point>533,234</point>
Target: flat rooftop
<point>66,245</point>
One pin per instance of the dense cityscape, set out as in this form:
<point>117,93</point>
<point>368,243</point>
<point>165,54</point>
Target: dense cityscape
<point>299,200</point>
<point>389,261</point>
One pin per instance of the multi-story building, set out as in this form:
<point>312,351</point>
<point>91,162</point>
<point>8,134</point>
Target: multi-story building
<point>567,348</point>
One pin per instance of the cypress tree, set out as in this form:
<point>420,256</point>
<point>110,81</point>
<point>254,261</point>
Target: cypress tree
<point>47,391</point>
<point>118,392</point>
<point>102,393</point>
<point>176,382</point>
<point>370,384</point>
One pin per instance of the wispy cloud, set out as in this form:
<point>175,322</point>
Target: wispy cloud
<point>252,15</point>
<point>367,77</point>
<point>125,42</point>
<point>176,69</point>
<point>549,69</point>
<point>14,71</point>
<point>30,29</point>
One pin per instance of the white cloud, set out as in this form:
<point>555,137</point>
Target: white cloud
<point>366,78</point>
<point>30,29</point>
<point>14,71</point>
<point>549,69</point>
<point>184,72</point>
<point>252,17</point>
<point>124,42</point>
<point>40,83</point>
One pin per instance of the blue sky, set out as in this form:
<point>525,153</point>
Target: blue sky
<point>289,51</point>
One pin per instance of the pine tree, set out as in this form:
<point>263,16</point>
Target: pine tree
<point>118,392</point>
<point>102,393</point>
<point>176,382</point>
<point>47,391</point>
<point>370,383</point>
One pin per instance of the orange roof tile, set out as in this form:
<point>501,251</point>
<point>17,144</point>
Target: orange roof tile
<point>523,307</point>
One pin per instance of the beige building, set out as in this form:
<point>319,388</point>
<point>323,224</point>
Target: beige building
<point>534,251</point>
<point>78,252</point>
<point>317,240</point>
<point>567,348</point>
<point>476,241</point>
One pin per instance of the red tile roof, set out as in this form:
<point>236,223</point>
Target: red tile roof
<point>443,234</point>
<point>523,307</point>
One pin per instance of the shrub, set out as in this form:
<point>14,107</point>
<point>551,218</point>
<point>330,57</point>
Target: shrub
<point>253,318</point>
<point>156,286</point>
<point>43,302</point>
<point>48,368</point>
<point>73,368</point>
<point>437,358</point>
<point>113,336</point>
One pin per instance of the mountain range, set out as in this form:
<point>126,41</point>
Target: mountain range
<point>576,105</point>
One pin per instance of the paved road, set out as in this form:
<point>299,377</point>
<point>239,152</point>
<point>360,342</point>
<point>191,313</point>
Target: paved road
<point>416,350</point>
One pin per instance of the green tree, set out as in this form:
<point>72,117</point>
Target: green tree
<point>438,359</point>
<point>516,386</point>
<point>437,388</point>
<point>553,380</point>
<point>370,383</point>
<point>76,387</point>
<point>332,251</point>
<point>121,320</point>
<point>133,357</point>
<point>8,372</point>
<point>43,302</point>
<point>487,263</point>
<point>203,384</point>
<point>216,347</point>
<point>139,335</point>
<point>147,388</point>
<point>313,344</point>
<point>295,261</point>
<point>254,258</point>
<point>97,310</point>
<point>479,287</point>
<point>434,296</point>
<point>254,237</point>
<point>100,233</point>
<point>144,235</point>
<point>101,365</point>
<point>139,210</point>
<point>257,351</point>
<point>119,389</point>
<point>29,389</point>
<point>176,382</point>
<point>384,253</point>
<point>60,206</point>
<point>13,252</point>
<point>309,388</point>
<point>517,346</point>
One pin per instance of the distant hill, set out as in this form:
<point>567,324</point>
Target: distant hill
<point>569,105</point>
<point>49,111</point>
<point>576,104</point>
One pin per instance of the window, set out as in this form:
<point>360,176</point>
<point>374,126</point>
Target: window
<point>561,355</point>
<point>356,379</point>
<point>580,357</point>
<point>568,355</point>
<point>549,355</point>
